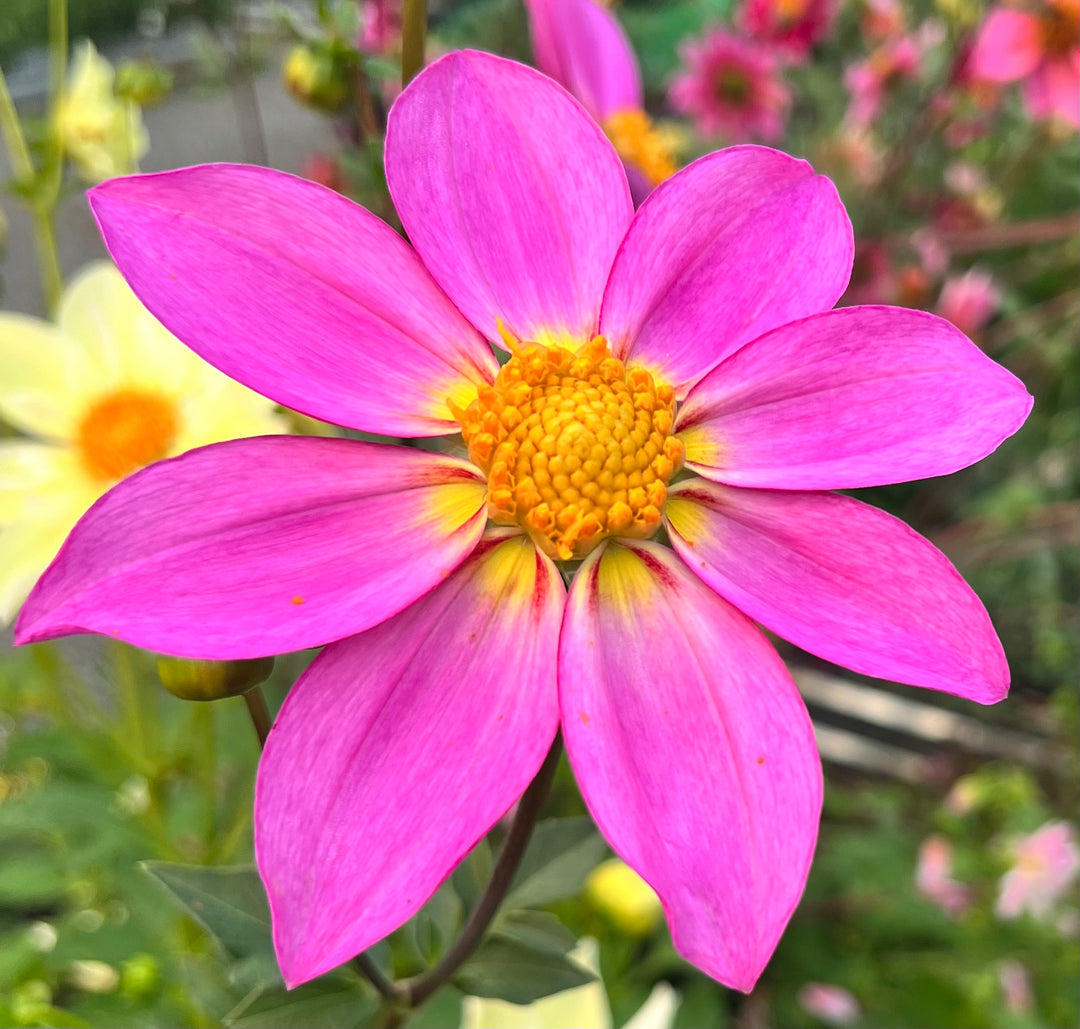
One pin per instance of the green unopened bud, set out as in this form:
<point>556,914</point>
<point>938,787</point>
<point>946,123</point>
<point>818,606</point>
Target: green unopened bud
<point>314,77</point>
<point>212,680</point>
<point>144,82</point>
<point>31,1002</point>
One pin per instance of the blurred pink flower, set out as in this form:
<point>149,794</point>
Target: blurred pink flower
<point>731,87</point>
<point>1044,867</point>
<point>1015,984</point>
<point>1040,49</point>
<point>969,300</point>
<point>868,81</point>
<point>830,1004</point>
<point>790,27</point>
<point>933,877</point>
<point>380,27</point>
<point>696,332</point>
<point>582,46</point>
<point>324,170</point>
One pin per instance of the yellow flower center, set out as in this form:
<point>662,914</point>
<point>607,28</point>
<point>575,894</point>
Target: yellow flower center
<point>790,11</point>
<point>576,447</point>
<point>124,431</point>
<point>1061,27</point>
<point>638,142</point>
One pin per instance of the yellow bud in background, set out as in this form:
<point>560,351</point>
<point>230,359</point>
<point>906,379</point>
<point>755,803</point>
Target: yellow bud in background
<point>212,680</point>
<point>619,893</point>
<point>313,77</point>
<point>101,133</point>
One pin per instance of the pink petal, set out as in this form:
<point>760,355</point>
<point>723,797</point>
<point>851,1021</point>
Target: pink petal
<point>296,292</point>
<point>513,197</point>
<point>260,546</point>
<point>736,243</point>
<point>855,397</point>
<point>694,753</point>
<point>1053,90</point>
<point>582,46</point>
<point>1009,46</point>
<point>842,580</point>
<point>399,748</point>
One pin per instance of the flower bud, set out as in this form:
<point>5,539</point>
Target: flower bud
<point>212,680</point>
<point>143,82</point>
<point>314,77</point>
<point>140,976</point>
<point>618,892</point>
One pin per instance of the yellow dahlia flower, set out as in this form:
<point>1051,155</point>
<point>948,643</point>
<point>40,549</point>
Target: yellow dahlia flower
<point>103,392</point>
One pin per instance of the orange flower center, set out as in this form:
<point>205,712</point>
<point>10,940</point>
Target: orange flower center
<point>637,141</point>
<point>576,447</point>
<point>124,431</point>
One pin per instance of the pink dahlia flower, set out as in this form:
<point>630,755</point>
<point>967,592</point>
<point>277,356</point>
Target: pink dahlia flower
<point>731,87</point>
<point>454,651</point>
<point>582,46</point>
<point>1040,49</point>
<point>791,27</point>
<point>1045,864</point>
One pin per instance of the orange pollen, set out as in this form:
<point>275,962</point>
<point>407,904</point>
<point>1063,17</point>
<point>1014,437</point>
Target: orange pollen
<point>637,141</point>
<point>124,431</point>
<point>576,446</point>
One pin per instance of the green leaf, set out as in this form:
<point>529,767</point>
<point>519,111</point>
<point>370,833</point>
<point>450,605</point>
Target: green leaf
<point>229,903</point>
<point>433,927</point>
<point>330,1003</point>
<point>561,854</point>
<point>516,973</point>
<point>537,930</point>
<point>472,875</point>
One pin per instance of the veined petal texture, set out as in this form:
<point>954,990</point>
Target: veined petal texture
<point>297,292</point>
<point>693,750</point>
<point>860,396</point>
<point>736,243</point>
<point>514,227</point>
<point>582,46</point>
<point>842,580</point>
<point>399,748</point>
<point>260,546</point>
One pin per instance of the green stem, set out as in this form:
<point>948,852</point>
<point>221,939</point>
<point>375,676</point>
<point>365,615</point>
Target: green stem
<point>260,713</point>
<point>52,278</point>
<point>58,50</point>
<point>11,130</point>
<point>418,990</point>
<point>413,31</point>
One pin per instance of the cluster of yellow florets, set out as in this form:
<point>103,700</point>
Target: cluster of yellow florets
<point>575,446</point>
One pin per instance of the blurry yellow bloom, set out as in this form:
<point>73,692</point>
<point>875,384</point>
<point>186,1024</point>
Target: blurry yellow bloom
<point>103,392</point>
<point>584,1007</point>
<point>618,892</point>
<point>101,133</point>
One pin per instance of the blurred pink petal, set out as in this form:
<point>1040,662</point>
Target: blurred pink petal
<point>339,320</point>
<point>933,877</point>
<point>355,830</point>
<point>731,87</point>
<point>1008,46</point>
<point>260,546</point>
<point>830,1004</point>
<point>582,46</point>
<point>494,221</point>
<point>854,397</point>
<point>1016,990</point>
<point>969,300</point>
<point>738,242</point>
<point>885,601</point>
<point>706,782</point>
